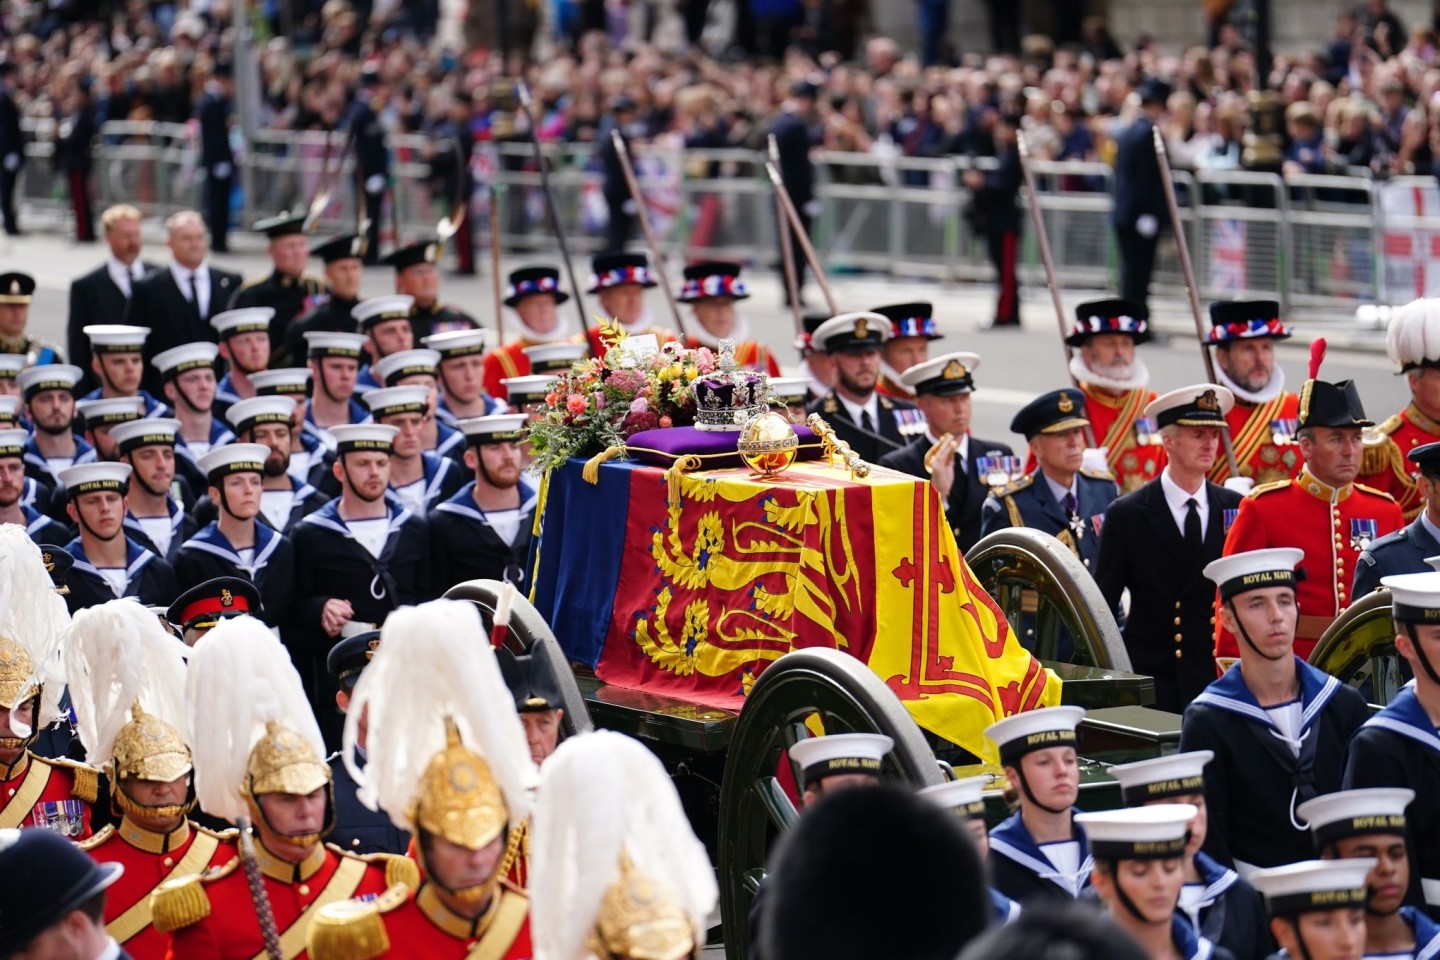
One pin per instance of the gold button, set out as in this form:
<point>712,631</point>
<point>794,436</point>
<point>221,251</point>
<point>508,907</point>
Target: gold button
<point>1177,604</point>
<point>169,862</point>
<point>1177,621</point>
<point>1178,655</point>
<point>1178,638</point>
<point>1212,621</point>
<point>304,889</point>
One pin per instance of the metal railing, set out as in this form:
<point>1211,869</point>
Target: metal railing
<point>1311,242</point>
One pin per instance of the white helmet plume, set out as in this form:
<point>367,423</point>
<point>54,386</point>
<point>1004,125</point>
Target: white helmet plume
<point>34,615</point>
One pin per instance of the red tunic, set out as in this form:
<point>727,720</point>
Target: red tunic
<point>296,892</point>
<point>509,361</point>
<point>892,389</point>
<point>597,346</point>
<point>1325,522</point>
<point>1112,421</point>
<point>749,355</point>
<point>419,925</point>
<point>58,794</point>
<point>149,860</point>
<point>1253,438</point>
<point>1385,467</point>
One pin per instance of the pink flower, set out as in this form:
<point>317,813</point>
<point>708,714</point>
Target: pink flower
<point>704,360</point>
<point>666,422</point>
<point>575,403</point>
<point>599,400</point>
<point>639,405</point>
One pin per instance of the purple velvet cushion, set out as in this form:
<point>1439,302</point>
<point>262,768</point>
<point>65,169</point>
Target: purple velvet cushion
<point>663,447</point>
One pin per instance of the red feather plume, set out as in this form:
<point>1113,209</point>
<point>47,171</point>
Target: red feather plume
<point>1317,356</point>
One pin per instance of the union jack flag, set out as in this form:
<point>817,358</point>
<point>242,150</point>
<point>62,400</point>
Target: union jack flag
<point>1227,257</point>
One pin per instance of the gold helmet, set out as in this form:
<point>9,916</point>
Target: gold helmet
<point>148,748</point>
<point>17,685</point>
<point>639,920</point>
<point>283,761</point>
<point>33,621</point>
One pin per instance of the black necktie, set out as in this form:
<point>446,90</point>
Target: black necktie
<point>1069,504</point>
<point>866,423</point>
<point>1192,524</point>
<point>190,295</point>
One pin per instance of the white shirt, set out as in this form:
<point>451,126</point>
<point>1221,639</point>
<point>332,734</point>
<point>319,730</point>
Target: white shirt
<point>116,577</point>
<point>56,464</point>
<point>1064,856</point>
<point>871,406</point>
<point>122,275</point>
<point>199,278</point>
<point>159,531</point>
<point>371,534</point>
<point>111,951</point>
<point>505,523</point>
<point>1058,492</point>
<point>300,462</point>
<point>1175,499</point>
<point>1286,718</point>
<point>1425,521</point>
<point>412,495</point>
<point>275,505</point>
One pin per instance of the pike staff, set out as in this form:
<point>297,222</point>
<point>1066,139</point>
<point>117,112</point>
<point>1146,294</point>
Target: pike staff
<point>523,92</point>
<point>643,215</point>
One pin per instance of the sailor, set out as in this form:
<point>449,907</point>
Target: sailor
<point>790,395</point>
<point>258,756</point>
<point>13,509</point>
<point>534,294</point>
<point>420,368</point>
<point>16,292</point>
<point>712,289</point>
<point>189,378</point>
<point>98,418</point>
<point>966,799</point>
<point>385,321</point>
<point>49,396</point>
<point>10,366</point>
<point>484,529</point>
<point>1039,854</point>
<point>155,514</point>
<point>1412,342</point>
<point>620,282</point>
<point>446,760</point>
<point>245,348</point>
<point>1399,747</point>
<point>912,327</point>
<point>118,362</point>
<point>1370,824</point>
<point>1405,550</point>
<point>270,420</point>
<point>103,553</point>
<point>1220,906</point>
<point>311,446</point>
<point>873,424</point>
<point>536,690</point>
<point>344,259</point>
<point>420,479</point>
<point>461,375</point>
<point>127,683</point>
<point>817,366</point>
<point>334,360</point>
<point>1139,871</point>
<point>417,275</point>
<point>1317,908</point>
<point>1244,334</point>
<point>1276,725</point>
<point>288,289</point>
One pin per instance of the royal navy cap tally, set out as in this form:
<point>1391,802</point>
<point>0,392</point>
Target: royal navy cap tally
<point>555,357</point>
<point>108,411</point>
<point>282,225</point>
<point>712,279</point>
<point>391,401</point>
<point>497,428</point>
<point>1202,405</point>
<point>851,332</point>
<point>532,389</point>
<point>619,269</point>
<point>349,246</point>
<point>115,337</point>
<point>12,443</point>
<point>1414,597</point>
<point>333,343</point>
<point>414,254</point>
<point>16,288</point>
<point>1053,412</point>
<point>407,363</point>
<point>1314,885</point>
<point>246,415</point>
<point>145,432</point>
<point>206,604</point>
<point>911,320</point>
<point>944,375</point>
<point>363,437</point>
<point>1232,320</point>
<point>232,323</point>
<point>351,655</point>
<point>10,365</point>
<point>840,753</point>
<point>529,281</point>
<point>95,478</point>
<point>1255,570</point>
<point>9,409</point>
<point>233,458</point>
<point>199,355</point>
<point>1162,778</point>
<point>1111,315</point>
<point>965,796</point>
<point>456,343</point>
<point>285,381</point>
<point>50,376</point>
<point>376,310</point>
<point>789,390</point>
<point>1354,813</point>
<point>1033,730</point>
<point>1138,833</point>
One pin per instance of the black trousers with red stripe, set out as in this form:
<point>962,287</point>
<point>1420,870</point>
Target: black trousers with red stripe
<point>80,204</point>
<point>1004,254</point>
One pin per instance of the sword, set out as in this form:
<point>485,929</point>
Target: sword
<point>523,92</point>
<point>263,912</point>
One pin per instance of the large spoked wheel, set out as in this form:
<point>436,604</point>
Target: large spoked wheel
<point>1050,599</point>
<point>530,634</point>
<point>1359,649</point>
<point>822,685</point>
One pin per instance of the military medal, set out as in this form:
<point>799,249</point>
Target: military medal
<point>1362,531</point>
<point>1147,432</point>
<point>999,470</point>
<point>1097,523</point>
<point>1230,516</point>
<point>1077,526</point>
<point>1281,431</point>
<point>65,817</point>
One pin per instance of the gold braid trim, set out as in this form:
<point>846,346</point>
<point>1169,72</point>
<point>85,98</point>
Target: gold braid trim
<point>518,836</point>
<point>179,903</point>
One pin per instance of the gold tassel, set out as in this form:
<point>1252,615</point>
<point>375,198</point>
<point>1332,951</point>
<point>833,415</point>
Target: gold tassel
<point>690,461</point>
<point>347,930</point>
<point>179,903</point>
<point>401,870</point>
<point>591,471</point>
<point>87,783</point>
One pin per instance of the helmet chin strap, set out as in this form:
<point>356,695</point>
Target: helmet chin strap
<point>355,490</point>
<point>1125,900</point>
<point>1299,938</point>
<point>1420,655</point>
<point>1245,635</point>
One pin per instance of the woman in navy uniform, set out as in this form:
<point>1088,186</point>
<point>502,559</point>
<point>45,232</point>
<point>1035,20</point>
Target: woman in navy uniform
<point>1317,908</point>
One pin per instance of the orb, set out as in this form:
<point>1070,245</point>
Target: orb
<point>768,444</point>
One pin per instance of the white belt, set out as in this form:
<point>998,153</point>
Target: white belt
<point>1431,889</point>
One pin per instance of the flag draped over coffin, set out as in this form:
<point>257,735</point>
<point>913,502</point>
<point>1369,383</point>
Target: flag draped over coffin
<point>689,585</point>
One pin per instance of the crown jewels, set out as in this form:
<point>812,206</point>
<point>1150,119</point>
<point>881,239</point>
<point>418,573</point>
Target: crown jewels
<point>726,400</point>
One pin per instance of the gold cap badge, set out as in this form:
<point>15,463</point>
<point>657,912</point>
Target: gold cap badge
<point>955,370</point>
<point>1066,404</point>
<point>1208,401</point>
<point>862,327</point>
<point>226,598</point>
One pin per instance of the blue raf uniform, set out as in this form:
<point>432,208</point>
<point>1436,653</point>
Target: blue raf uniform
<point>1405,550</point>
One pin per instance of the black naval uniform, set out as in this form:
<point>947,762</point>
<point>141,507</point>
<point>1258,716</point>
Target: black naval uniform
<point>289,297</point>
<point>151,579</point>
<point>329,314</point>
<point>1231,912</point>
<point>43,529</point>
<point>1403,551</point>
<point>439,318</point>
<point>306,500</point>
<point>183,526</point>
<point>1029,502</point>
<point>464,546</point>
<point>1255,781</point>
<point>968,493</point>
<point>891,413</point>
<point>208,554</point>
<point>1020,870</point>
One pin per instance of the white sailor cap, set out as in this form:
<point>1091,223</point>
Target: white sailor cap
<point>199,355</point>
<point>388,401</point>
<point>555,357</point>
<point>943,375</point>
<point>10,365</point>
<point>1201,405</point>
<point>396,306</point>
<point>851,331</point>
<point>1353,813</point>
<point>1178,775</point>
<point>95,477</point>
<point>497,428</point>
<point>1255,570</point>
<point>965,796</point>
<point>1138,833</point>
<point>839,753</point>
<point>145,432</point>
<point>334,343</point>
<point>49,376</point>
<point>523,390</point>
<point>9,409</point>
<point>390,370</point>
<point>108,411</point>
<point>232,323</point>
<point>233,458</point>
<point>456,343</point>
<point>1314,885</point>
<point>244,415</point>
<point>789,390</point>
<point>13,441</point>
<point>1035,730</point>
<point>115,337</point>
<point>1414,597</point>
<point>285,381</point>
<point>361,437</point>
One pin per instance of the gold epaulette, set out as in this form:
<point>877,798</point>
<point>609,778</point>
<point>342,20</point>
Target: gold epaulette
<point>1384,453</point>
<point>247,284</point>
<point>398,870</point>
<point>1014,486</point>
<point>317,282</point>
<point>886,403</point>
<point>353,929</point>
<point>1378,493</point>
<point>224,836</point>
<point>86,778</point>
<point>183,902</point>
<point>1268,487</point>
<point>91,843</point>
<point>1097,474</point>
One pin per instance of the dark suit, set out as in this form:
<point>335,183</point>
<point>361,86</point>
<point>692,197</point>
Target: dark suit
<point>358,829</point>
<point>967,494</point>
<point>157,302</point>
<point>1000,218</point>
<point>793,140</point>
<point>213,114</point>
<point>94,298</point>
<point>1143,549</point>
<point>12,158</point>
<point>372,159</point>
<point>891,413</point>
<point>1403,551</point>
<point>1139,192</point>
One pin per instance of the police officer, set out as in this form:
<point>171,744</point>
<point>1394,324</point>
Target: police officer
<point>1405,550</point>
<point>289,290</point>
<point>16,292</point>
<point>417,275</point>
<point>873,424</point>
<point>344,259</point>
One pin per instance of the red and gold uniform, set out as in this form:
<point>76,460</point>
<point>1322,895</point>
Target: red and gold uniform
<point>405,923</point>
<point>151,859</point>
<point>889,387</point>
<point>1332,525</point>
<point>749,355</point>
<point>509,361</point>
<point>1384,466</point>
<point>56,794</point>
<point>1252,435</point>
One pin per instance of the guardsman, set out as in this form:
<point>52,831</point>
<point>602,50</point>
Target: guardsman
<point>872,423</point>
<point>463,795</point>
<point>1276,725</point>
<point>1039,854</point>
<point>245,348</point>
<point>1244,334</point>
<point>818,366</point>
<point>421,368</point>
<point>288,289</point>
<point>1412,342</point>
<point>960,465</point>
<point>712,289</point>
<point>358,829</point>
<point>1219,906</point>
<point>385,321</point>
<point>244,700</point>
<point>49,396</point>
<point>1398,747</point>
<point>607,795</point>
<point>536,690</point>
<point>1323,511</point>
<point>418,478</point>
<point>236,544</point>
<point>534,294</point>
<point>1405,550</point>
<point>118,362</point>
<point>483,530</point>
<point>189,377</point>
<point>36,791</point>
<point>16,292</point>
<point>1059,496</point>
<point>417,275</point>
<point>1317,907</point>
<point>1370,824</point>
<point>310,445</point>
<point>1145,903</point>
<point>621,280</point>
<point>284,500</point>
<point>128,688</point>
<point>966,799</point>
<point>1183,513</point>
<point>99,417</point>
<point>104,555</point>
<point>344,259</point>
<point>155,516</point>
<point>335,363</point>
<point>461,375</point>
<point>912,327</point>
<point>13,509</point>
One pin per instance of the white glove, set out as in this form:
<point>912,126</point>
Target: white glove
<point>1095,459</point>
<point>221,170</point>
<point>1241,485</point>
<point>813,208</point>
<point>375,183</point>
<point>12,162</point>
<point>1147,226</point>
